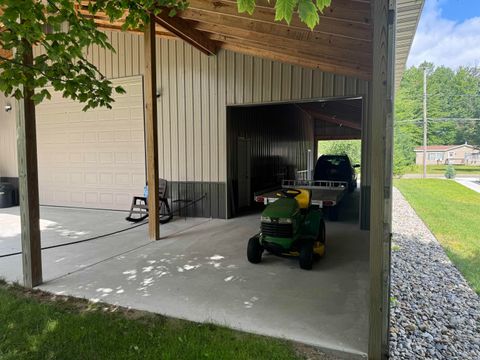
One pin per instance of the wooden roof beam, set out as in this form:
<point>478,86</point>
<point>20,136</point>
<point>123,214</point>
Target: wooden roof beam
<point>314,49</point>
<point>260,27</point>
<point>353,30</point>
<point>184,30</point>
<point>167,26</point>
<point>341,10</point>
<point>294,57</point>
<point>160,32</point>
<point>102,20</point>
<point>5,53</point>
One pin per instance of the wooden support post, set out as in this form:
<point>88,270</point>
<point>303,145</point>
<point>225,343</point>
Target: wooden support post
<point>380,151</point>
<point>150,82</point>
<point>28,187</point>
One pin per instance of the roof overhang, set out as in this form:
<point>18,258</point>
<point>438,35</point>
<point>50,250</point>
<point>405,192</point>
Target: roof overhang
<point>341,43</point>
<point>408,16</point>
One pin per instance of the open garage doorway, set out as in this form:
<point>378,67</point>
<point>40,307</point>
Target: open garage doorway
<point>270,143</point>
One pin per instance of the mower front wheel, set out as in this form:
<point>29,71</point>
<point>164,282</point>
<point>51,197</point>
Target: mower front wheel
<point>254,250</point>
<point>306,255</point>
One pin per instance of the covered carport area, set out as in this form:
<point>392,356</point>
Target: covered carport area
<point>268,143</point>
<point>359,39</point>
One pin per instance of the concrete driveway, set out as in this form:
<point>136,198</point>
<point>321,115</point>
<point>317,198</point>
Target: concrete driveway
<point>199,272</point>
<point>473,184</point>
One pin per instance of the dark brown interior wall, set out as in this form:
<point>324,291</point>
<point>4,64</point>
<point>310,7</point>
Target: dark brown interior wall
<point>280,137</point>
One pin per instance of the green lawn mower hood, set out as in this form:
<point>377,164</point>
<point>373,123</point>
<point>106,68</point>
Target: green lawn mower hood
<point>283,208</point>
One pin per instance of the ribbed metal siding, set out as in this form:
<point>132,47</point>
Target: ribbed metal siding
<point>279,137</point>
<point>195,90</point>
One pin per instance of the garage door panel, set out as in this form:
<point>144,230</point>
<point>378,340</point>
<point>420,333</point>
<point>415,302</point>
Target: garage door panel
<point>76,179</point>
<point>76,157</point>
<point>105,115</point>
<point>75,137</point>
<point>138,158</point>
<point>122,200</point>
<point>92,159</point>
<point>136,112</point>
<point>138,180</point>
<point>123,136</point>
<point>76,198</point>
<point>105,158</point>
<point>106,199</point>
<point>106,179</point>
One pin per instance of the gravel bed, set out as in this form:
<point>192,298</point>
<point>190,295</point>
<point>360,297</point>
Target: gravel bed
<point>435,314</point>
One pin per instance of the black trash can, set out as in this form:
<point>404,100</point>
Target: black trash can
<point>7,195</point>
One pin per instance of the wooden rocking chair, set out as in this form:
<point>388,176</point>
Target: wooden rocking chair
<point>139,207</point>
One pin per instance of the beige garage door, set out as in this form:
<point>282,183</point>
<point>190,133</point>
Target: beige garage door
<point>92,159</point>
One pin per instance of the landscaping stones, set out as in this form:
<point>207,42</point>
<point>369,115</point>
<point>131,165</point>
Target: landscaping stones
<point>434,312</point>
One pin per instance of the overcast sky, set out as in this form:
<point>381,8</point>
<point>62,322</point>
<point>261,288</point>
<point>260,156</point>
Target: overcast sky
<point>448,34</point>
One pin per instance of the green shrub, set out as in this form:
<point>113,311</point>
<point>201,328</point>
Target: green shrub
<point>450,172</point>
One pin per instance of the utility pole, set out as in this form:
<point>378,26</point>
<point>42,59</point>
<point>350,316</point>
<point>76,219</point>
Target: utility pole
<point>425,128</point>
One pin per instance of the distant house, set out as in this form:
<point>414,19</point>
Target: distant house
<point>464,154</point>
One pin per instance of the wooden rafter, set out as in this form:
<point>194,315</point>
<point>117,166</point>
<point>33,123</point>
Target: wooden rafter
<point>166,26</point>
<point>5,53</point>
<point>340,44</point>
<point>327,25</point>
<point>102,20</point>
<point>181,28</point>
<point>341,10</point>
<point>269,52</point>
<point>283,43</point>
<point>264,28</point>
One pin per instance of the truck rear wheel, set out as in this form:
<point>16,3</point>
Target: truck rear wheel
<point>306,255</point>
<point>254,250</point>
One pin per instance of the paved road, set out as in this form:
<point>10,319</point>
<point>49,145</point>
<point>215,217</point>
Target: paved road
<point>470,183</point>
<point>440,176</point>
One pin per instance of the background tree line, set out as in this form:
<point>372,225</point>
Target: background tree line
<point>451,94</point>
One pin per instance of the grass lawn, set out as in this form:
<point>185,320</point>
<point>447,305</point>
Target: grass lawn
<point>440,169</point>
<point>35,326</point>
<point>452,212</point>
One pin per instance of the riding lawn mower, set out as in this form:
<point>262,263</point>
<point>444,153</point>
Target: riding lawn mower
<point>292,227</point>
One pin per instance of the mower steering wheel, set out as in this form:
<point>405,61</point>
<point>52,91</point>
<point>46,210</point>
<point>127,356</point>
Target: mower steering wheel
<point>290,193</point>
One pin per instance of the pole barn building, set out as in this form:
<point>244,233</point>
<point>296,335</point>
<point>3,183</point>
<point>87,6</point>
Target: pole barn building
<point>216,103</point>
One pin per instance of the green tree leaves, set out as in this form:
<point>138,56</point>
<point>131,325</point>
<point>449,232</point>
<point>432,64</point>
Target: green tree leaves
<point>308,10</point>
<point>64,35</point>
<point>308,13</point>
<point>451,94</point>
<point>246,6</point>
<point>352,148</point>
<point>284,10</point>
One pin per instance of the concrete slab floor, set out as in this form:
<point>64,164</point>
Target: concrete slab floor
<point>199,272</point>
